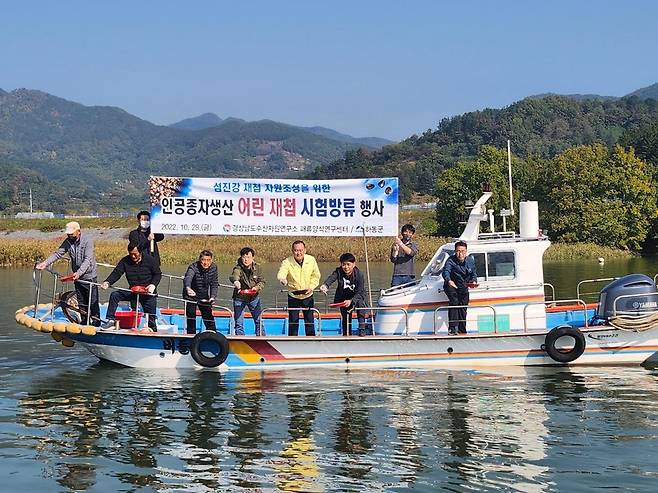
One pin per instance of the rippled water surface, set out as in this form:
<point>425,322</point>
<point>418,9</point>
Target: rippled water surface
<point>68,423</point>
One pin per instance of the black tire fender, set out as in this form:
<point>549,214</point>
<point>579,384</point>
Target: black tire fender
<point>68,302</point>
<point>207,361</point>
<point>562,356</point>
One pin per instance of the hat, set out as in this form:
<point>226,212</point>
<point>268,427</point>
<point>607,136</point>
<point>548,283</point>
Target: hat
<point>72,227</point>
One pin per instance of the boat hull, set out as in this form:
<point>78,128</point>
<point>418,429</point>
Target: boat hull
<point>604,346</point>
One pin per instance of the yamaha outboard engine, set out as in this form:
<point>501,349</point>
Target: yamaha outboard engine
<point>633,294</point>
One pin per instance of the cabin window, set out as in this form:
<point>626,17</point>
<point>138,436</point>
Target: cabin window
<point>436,267</point>
<point>480,264</point>
<point>500,264</point>
<point>494,265</point>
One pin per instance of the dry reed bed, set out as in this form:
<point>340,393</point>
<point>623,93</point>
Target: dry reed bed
<point>183,250</point>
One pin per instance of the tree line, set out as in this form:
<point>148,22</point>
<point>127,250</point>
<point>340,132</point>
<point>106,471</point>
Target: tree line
<point>592,165</point>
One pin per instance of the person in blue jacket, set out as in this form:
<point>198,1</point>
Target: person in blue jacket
<point>458,273</point>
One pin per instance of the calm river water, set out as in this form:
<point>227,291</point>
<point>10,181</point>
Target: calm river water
<point>68,423</point>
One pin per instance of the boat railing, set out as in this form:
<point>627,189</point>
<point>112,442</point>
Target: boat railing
<point>655,278</point>
<point>324,301</point>
<point>400,287</point>
<point>38,287</point>
<point>552,288</point>
<point>553,303</point>
<point>173,278</point>
<point>37,277</point>
<point>580,295</point>
<point>496,235</point>
<point>638,311</point>
<point>373,310</point>
<point>185,302</point>
<point>316,314</point>
<point>470,309</point>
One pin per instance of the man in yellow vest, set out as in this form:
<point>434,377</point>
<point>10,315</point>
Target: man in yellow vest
<point>301,274</point>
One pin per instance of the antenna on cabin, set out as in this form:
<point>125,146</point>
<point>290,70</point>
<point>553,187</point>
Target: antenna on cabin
<point>505,213</point>
<point>509,172</point>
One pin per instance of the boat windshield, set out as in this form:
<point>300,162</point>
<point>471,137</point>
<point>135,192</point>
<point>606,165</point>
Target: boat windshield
<point>436,266</point>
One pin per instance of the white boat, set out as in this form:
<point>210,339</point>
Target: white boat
<point>510,321</point>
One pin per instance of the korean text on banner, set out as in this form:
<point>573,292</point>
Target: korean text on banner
<point>231,206</point>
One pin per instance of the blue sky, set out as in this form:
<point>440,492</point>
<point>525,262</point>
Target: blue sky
<point>369,68</point>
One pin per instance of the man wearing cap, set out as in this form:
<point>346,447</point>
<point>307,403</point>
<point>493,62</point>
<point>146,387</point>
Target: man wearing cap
<point>83,264</point>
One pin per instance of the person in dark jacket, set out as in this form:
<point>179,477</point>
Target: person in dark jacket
<point>200,286</point>
<point>458,272</point>
<point>140,270</point>
<point>350,291</point>
<point>142,236</point>
<point>248,281</point>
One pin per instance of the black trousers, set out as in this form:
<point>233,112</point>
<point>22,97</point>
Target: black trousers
<point>457,316</point>
<point>206,316</point>
<point>293,316</point>
<point>148,302</point>
<point>82,292</point>
<point>346,319</point>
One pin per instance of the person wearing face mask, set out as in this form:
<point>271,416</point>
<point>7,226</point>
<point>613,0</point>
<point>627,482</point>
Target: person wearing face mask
<point>83,264</point>
<point>458,275</point>
<point>142,236</point>
<point>403,251</point>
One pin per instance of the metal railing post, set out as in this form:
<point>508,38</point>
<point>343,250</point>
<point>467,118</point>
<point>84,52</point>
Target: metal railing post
<point>471,307</point>
<point>555,302</point>
<point>37,293</point>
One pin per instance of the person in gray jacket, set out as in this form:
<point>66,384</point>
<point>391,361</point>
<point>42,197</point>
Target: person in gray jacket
<point>200,286</point>
<point>403,254</point>
<point>83,264</point>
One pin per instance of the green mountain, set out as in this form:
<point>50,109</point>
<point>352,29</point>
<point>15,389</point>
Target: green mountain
<point>108,153</point>
<point>577,97</point>
<point>209,120</point>
<point>647,92</point>
<point>372,142</point>
<point>542,127</point>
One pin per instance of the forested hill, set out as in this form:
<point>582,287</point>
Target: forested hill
<point>647,92</point>
<point>206,120</point>
<point>542,127</point>
<point>101,156</point>
<point>209,120</point>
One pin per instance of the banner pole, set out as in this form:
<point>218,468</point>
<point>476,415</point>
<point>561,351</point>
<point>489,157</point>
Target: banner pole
<point>365,246</point>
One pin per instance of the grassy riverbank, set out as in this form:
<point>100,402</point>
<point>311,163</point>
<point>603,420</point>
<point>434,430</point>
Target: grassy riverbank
<point>183,250</point>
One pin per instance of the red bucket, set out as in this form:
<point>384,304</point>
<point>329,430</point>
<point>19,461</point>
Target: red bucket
<point>127,319</point>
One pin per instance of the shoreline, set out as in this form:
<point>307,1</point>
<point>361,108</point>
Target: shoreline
<point>28,246</point>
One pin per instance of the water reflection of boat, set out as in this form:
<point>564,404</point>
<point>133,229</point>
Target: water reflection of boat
<point>510,321</point>
<point>508,429</point>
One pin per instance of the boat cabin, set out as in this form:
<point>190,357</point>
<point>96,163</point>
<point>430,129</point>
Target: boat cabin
<point>510,292</point>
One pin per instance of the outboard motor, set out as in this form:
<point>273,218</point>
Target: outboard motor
<point>633,294</point>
